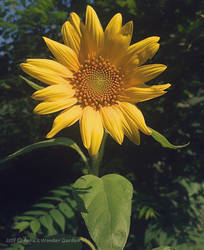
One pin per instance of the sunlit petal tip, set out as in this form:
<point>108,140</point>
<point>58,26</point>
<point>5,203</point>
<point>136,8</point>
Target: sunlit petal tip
<point>163,86</point>
<point>114,25</point>
<point>117,18</point>
<point>49,135</point>
<point>155,38</point>
<point>127,29</point>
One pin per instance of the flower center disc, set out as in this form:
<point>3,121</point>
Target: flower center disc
<point>97,82</point>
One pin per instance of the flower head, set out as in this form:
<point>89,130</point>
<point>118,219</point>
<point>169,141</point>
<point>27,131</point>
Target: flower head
<point>96,79</point>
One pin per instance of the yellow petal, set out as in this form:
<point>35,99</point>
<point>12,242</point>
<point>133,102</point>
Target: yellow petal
<point>76,22</point>
<point>51,65</point>
<point>63,54</point>
<point>118,42</point>
<point>112,122</point>
<point>144,49</point>
<point>133,114</point>
<point>51,107</point>
<point>126,32</point>
<point>94,35</point>
<point>132,131</point>
<point>45,75</point>
<point>135,94</point>
<point>54,93</point>
<point>67,118</point>
<point>113,28</point>
<point>71,37</point>
<point>91,128</point>
<point>144,73</point>
<point>139,46</point>
<point>129,127</point>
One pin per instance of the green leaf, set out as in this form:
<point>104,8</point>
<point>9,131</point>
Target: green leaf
<point>32,84</point>
<point>59,218</point>
<point>47,222</point>
<point>59,192</point>
<point>35,212</point>
<point>66,210</point>
<point>44,205</point>
<point>164,142</point>
<point>105,205</point>
<point>21,226</point>
<point>24,218</point>
<point>51,198</point>
<point>35,226</point>
<point>60,141</point>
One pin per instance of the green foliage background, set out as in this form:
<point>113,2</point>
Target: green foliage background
<point>168,204</point>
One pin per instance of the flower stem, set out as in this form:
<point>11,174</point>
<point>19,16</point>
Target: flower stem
<point>96,159</point>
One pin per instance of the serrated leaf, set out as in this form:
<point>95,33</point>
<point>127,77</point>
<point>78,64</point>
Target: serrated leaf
<point>44,205</point>
<point>35,226</point>
<point>59,192</point>
<point>164,142</point>
<point>51,198</point>
<point>35,212</point>
<point>21,226</point>
<point>66,210</point>
<point>32,84</point>
<point>47,222</point>
<point>60,141</point>
<point>59,218</point>
<point>106,208</point>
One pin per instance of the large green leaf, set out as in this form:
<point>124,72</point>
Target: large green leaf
<point>105,205</point>
<point>164,142</point>
<point>62,141</point>
<point>32,84</point>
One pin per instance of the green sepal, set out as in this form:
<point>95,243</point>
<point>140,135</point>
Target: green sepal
<point>105,205</point>
<point>59,141</point>
<point>164,142</point>
<point>32,84</point>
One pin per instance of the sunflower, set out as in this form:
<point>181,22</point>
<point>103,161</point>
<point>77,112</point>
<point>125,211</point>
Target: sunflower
<point>96,79</point>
